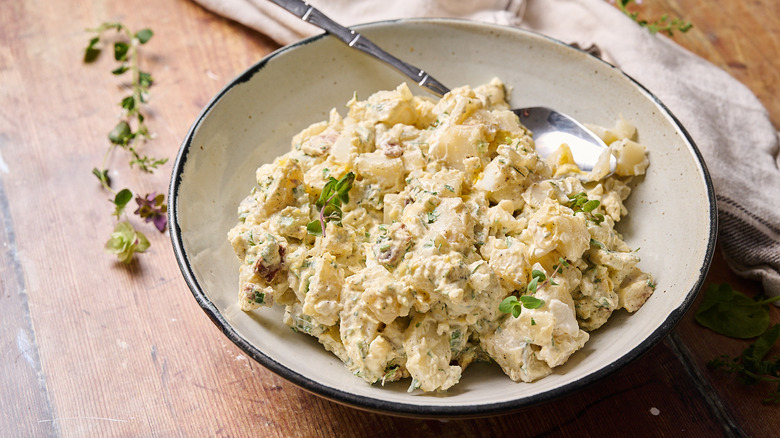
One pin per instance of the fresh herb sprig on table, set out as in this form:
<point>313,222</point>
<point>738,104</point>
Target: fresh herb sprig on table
<point>334,193</point>
<point>731,313</point>
<point>664,24</point>
<point>131,130</point>
<point>752,367</point>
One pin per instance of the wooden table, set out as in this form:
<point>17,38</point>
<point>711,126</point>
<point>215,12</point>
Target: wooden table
<point>91,347</point>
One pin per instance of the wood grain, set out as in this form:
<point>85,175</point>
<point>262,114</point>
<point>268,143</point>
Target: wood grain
<point>93,348</point>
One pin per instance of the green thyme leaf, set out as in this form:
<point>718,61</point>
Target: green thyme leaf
<point>533,284</point>
<point>597,244</point>
<point>120,50</point>
<point>514,306</point>
<point>507,304</point>
<point>530,302</point>
<point>92,52</point>
<point>144,35</point>
<point>334,193</point>
<point>119,70</point>
<point>121,134</point>
<point>128,103</point>
<point>590,205</point>
<point>344,185</point>
<point>120,201</point>
<point>144,79</point>
<point>102,176</point>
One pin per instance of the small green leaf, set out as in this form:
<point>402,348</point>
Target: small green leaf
<point>731,313</point>
<point>538,275</point>
<point>92,52</point>
<point>590,205</point>
<point>102,176</point>
<point>120,50</point>
<point>597,244</point>
<point>120,201</point>
<point>128,103</point>
<point>144,79</point>
<point>123,197</point>
<point>314,228</point>
<point>121,134</point>
<point>533,285</point>
<point>530,302</point>
<point>327,192</point>
<point>119,70</point>
<point>344,185</point>
<point>144,35</point>
<point>764,343</point>
<point>508,304</point>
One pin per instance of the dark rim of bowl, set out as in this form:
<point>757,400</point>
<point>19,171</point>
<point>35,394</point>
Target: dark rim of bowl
<point>414,410</point>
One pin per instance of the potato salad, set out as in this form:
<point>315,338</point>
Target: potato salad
<point>413,237</point>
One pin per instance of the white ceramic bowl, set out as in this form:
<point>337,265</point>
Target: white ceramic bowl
<point>672,215</point>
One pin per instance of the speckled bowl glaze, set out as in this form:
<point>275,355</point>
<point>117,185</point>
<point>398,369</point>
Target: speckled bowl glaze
<point>672,216</point>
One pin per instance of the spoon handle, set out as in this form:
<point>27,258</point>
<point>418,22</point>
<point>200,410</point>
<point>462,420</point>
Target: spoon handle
<point>353,39</point>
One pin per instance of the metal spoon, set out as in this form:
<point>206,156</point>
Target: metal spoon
<point>550,128</point>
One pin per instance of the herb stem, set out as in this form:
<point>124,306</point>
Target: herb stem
<point>103,182</point>
<point>759,377</point>
<point>322,211</point>
<point>768,300</point>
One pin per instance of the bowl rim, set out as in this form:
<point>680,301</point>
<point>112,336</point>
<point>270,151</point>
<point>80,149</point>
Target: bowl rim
<point>399,408</point>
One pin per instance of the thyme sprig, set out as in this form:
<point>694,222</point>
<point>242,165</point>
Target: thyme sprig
<point>664,24</point>
<point>514,305</point>
<point>131,130</point>
<point>579,202</point>
<point>126,53</point>
<point>334,193</point>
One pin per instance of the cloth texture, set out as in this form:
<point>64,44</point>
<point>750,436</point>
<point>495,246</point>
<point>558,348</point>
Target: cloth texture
<point>727,122</point>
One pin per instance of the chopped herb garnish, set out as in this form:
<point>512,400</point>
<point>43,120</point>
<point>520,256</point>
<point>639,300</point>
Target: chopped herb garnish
<point>514,305</point>
<point>598,244</point>
<point>580,202</point>
<point>334,193</point>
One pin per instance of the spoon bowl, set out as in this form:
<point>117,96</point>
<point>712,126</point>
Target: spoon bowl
<point>551,129</point>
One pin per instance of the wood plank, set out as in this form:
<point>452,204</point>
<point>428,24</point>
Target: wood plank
<point>741,37</point>
<point>23,382</point>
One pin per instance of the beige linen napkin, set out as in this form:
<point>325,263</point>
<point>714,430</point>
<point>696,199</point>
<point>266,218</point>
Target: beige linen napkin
<point>727,122</point>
